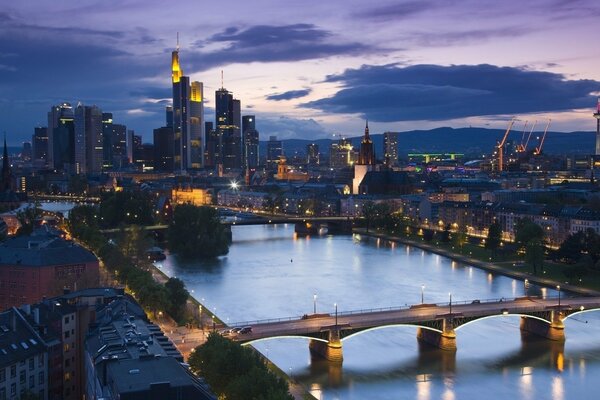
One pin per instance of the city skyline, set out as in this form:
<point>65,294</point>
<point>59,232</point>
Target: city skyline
<point>318,73</point>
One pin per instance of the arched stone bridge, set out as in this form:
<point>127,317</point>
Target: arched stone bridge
<point>437,323</point>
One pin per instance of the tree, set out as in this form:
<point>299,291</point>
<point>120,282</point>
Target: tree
<point>534,254</point>
<point>459,238</point>
<point>134,242</point>
<point>28,218</point>
<point>494,237</point>
<point>235,372</point>
<point>197,232</point>
<point>178,296</point>
<point>527,230</point>
<point>126,207</point>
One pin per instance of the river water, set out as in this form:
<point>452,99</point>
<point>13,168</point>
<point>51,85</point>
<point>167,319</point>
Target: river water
<point>270,273</point>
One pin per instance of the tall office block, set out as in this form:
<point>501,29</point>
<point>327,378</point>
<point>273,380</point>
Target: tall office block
<point>390,148</point>
<point>250,154</point>
<point>163,149</point>
<point>228,115</point>
<point>129,145</point>
<point>119,146</point>
<point>39,141</point>
<point>107,137</point>
<point>313,156</point>
<point>169,116</point>
<point>88,140</point>
<point>274,152</point>
<point>61,139</point>
<point>196,125</point>
<point>211,146</point>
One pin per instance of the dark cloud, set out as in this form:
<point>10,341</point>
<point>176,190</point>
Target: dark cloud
<point>291,94</point>
<point>443,39</point>
<point>389,93</point>
<point>395,11</point>
<point>270,43</point>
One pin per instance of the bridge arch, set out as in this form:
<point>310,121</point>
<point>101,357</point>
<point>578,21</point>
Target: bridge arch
<point>585,310</point>
<point>501,316</point>
<point>376,328</point>
<point>250,342</point>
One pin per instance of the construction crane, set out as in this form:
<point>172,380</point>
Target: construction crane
<point>522,148</point>
<point>500,145</point>
<point>538,150</point>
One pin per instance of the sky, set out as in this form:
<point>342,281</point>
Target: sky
<point>307,69</point>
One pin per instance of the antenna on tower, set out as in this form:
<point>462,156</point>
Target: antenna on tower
<point>222,79</point>
<point>177,41</point>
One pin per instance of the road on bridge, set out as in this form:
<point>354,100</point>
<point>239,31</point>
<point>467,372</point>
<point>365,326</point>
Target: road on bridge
<point>410,315</point>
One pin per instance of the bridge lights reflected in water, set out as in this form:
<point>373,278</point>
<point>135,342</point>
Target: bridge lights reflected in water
<point>526,383</point>
<point>558,390</point>
<point>423,383</point>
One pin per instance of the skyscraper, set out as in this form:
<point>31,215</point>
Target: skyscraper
<point>196,125</point>
<point>163,149</point>
<point>312,154</point>
<point>186,117</point>
<point>597,116</point>
<point>61,139</point>
<point>250,140</point>
<point>107,137</point>
<point>88,140</point>
<point>227,125</point>
<point>274,151</point>
<point>390,148</point>
<point>39,141</point>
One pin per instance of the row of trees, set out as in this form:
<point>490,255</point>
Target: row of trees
<point>125,258</point>
<point>235,372</point>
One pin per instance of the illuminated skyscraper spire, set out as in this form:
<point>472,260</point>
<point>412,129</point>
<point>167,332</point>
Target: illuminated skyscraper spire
<point>176,72</point>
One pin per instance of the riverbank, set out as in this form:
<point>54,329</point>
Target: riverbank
<point>487,266</point>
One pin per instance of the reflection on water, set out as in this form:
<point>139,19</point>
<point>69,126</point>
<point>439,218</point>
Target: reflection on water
<point>258,279</point>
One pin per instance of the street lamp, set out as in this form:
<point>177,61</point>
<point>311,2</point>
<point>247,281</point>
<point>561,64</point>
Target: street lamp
<point>450,294</point>
<point>422,294</point>
<point>213,321</point>
<point>526,286</point>
<point>558,288</point>
<point>314,303</point>
<point>335,305</point>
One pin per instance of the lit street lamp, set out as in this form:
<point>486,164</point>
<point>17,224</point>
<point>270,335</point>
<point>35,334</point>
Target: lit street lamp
<point>335,305</point>
<point>526,286</point>
<point>450,294</point>
<point>558,288</point>
<point>422,293</point>
<point>314,303</point>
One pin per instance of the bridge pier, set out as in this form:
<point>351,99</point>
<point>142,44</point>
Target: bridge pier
<point>306,228</point>
<point>331,351</point>
<point>445,340</point>
<point>554,331</point>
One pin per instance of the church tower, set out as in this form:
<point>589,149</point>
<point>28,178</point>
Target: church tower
<point>7,178</point>
<point>366,156</point>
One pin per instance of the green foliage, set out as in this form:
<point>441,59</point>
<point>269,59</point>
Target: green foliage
<point>134,242</point>
<point>579,245</point>
<point>126,207</point>
<point>197,232</point>
<point>534,254</point>
<point>178,296</point>
<point>494,237</point>
<point>235,372</point>
<point>376,215</point>
<point>78,184</point>
<point>527,230</point>
<point>27,218</point>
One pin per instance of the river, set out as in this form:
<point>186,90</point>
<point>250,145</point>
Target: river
<point>270,273</point>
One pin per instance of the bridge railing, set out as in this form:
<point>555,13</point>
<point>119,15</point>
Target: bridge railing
<point>393,308</point>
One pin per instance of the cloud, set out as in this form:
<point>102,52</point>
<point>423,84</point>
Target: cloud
<point>272,43</point>
<point>139,112</point>
<point>389,93</point>
<point>289,128</point>
<point>443,39</point>
<point>289,95</point>
<point>396,11</point>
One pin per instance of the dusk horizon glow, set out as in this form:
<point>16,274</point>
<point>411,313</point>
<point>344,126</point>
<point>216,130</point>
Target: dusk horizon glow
<point>306,70</point>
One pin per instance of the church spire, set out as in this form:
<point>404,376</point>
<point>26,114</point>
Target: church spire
<point>6,175</point>
<point>367,129</point>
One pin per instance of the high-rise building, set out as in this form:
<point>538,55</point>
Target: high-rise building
<point>129,145</point>
<point>390,148</point>
<point>40,144</point>
<point>274,152</point>
<point>186,117</point>
<point>169,116</point>
<point>342,154</point>
<point>26,151</point>
<point>61,137</point>
<point>119,146</point>
<point>163,149</point>
<point>211,146</point>
<point>196,125</point>
<point>250,140</point>
<point>89,150</point>
<point>8,182</point>
<point>312,154</point>
<point>228,114</point>
<point>107,137</point>
<point>597,116</point>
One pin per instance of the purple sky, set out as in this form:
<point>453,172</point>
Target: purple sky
<point>307,69</point>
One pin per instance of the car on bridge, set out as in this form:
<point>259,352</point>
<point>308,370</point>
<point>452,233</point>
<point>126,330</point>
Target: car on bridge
<point>246,329</point>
